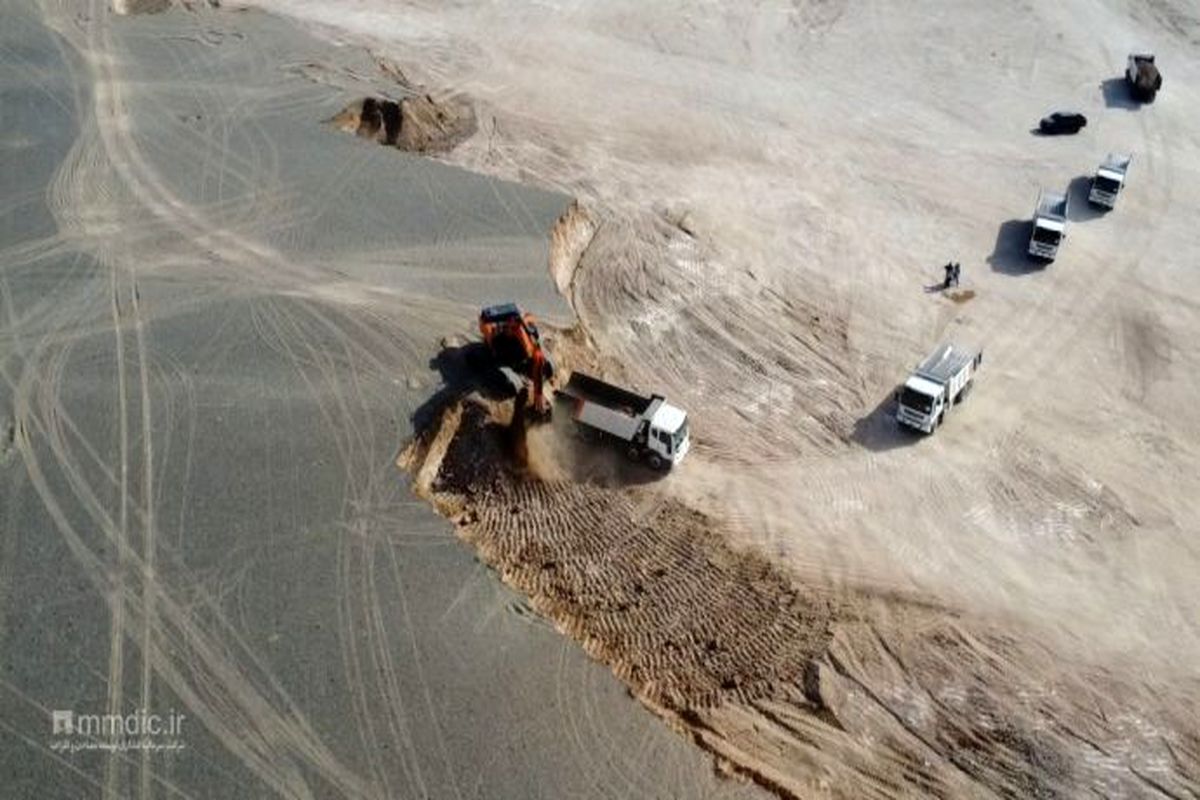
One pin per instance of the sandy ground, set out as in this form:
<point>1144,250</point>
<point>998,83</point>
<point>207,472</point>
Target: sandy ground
<point>217,317</point>
<point>774,187</point>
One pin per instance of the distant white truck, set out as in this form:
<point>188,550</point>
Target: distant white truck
<point>1109,180</point>
<point>1049,225</point>
<point>648,428</point>
<point>941,381</point>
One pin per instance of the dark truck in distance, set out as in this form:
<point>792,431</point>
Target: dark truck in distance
<point>1143,77</point>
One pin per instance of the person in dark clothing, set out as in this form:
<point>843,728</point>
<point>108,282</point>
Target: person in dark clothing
<point>949,275</point>
<point>957,273</point>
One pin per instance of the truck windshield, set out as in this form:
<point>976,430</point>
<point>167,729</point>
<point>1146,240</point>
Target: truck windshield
<point>911,398</point>
<point>678,437</point>
<point>1045,235</point>
<point>1106,184</point>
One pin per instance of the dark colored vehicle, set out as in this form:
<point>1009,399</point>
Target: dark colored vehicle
<point>1143,77</point>
<point>1062,122</point>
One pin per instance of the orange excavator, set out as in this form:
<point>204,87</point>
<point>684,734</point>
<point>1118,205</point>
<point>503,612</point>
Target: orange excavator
<point>516,346</point>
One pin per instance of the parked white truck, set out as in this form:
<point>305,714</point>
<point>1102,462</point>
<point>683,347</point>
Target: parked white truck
<point>1109,180</point>
<point>647,428</point>
<point>940,382</point>
<point>1049,225</point>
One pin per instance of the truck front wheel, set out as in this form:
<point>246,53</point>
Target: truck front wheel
<point>656,461</point>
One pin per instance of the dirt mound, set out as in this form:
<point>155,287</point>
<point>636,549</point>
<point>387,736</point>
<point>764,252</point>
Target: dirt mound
<point>569,240</point>
<point>645,584</point>
<point>418,124</point>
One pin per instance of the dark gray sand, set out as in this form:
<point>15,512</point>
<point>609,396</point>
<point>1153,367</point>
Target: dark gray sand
<point>216,319</point>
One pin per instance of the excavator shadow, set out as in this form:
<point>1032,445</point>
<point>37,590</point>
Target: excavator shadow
<point>879,431</point>
<point>463,369</point>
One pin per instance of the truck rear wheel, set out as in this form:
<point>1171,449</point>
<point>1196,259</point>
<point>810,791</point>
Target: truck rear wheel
<point>633,453</point>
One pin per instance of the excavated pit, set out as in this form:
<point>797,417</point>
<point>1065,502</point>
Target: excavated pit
<point>645,584</point>
<point>417,124</point>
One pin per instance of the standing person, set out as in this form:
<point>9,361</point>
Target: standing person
<point>949,275</point>
<point>957,273</point>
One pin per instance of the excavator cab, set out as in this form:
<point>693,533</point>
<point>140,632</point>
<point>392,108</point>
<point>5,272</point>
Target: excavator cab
<point>516,346</point>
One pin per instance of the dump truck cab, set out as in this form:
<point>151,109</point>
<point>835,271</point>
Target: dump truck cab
<point>921,403</point>
<point>1049,225</point>
<point>1109,180</point>
<point>667,433</point>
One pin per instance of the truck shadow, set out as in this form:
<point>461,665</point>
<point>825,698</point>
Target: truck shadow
<point>1118,95</point>
<point>1080,209</point>
<point>1010,255</point>
<point>879,431</point>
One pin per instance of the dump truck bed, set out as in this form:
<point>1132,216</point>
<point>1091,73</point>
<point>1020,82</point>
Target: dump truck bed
<point>1116,163</point>
<point>944,363</point>
<point>1052,205</point>
<point>593,390</point>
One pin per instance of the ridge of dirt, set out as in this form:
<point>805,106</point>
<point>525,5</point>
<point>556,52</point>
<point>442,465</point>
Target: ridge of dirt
<point>569,240</point>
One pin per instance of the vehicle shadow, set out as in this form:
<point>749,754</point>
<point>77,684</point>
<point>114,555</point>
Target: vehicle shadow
<point>879,431</point>
<point>1080,209</point>
<point>1118,95</point>
<point>1010,255</point>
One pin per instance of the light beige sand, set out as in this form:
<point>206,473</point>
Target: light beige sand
<point>773,187</point>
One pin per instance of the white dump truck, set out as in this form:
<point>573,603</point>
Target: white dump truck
<point>1109,180</point>
<point>941,381</point>
<point>1049,225</point>
<point>647,428</point>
